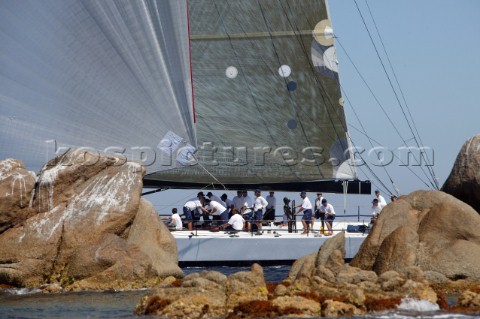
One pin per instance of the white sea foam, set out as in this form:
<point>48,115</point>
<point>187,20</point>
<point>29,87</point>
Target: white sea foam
<point>22,291</point>
<point>412,304</point>
<point>391,315</point>
<point>394,315</point>
<point>411,308</point>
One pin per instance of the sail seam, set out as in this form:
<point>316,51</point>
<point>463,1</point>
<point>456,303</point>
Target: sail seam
<point>191,68</point>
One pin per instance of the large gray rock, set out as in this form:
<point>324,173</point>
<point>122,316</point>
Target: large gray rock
<point>330,255</point>
<point>328,264</point>
<point>16,186</point>
<point>91,228</point>
<point>464,179</point>
<point>429,229</point>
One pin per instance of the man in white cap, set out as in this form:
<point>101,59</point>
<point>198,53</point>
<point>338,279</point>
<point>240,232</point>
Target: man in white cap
<point>306,208</point>
<point>258,206</point>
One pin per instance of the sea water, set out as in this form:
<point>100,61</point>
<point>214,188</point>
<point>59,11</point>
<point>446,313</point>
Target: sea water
<point>32,303</point>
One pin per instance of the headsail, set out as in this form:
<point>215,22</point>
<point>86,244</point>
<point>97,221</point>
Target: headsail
<point>112,76</point>
<point>115,76</point>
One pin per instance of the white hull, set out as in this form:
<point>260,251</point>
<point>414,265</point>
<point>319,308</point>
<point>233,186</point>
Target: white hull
<point>204,246</point>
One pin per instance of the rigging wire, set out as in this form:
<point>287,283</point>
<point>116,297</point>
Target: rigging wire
<point>331,103</point>
<point>392,86</point>
<point>391,180</point>
<point>371,144</point>
<point>323,92</point>
<point>248,85</point>
<point>363,132</point>
<point>375,98</point>
<point>262,11</point>
<point>401,93</point>
<point>266,64</point>
<point>369,168</point>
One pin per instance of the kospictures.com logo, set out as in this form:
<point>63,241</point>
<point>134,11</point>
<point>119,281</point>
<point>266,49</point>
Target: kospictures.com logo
<point>211,155</point>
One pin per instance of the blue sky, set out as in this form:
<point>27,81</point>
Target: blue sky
<point>434,48</point>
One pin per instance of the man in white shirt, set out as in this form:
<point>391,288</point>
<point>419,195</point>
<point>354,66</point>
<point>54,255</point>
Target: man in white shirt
<point>329,212</point>
<point>236,222</point>
<point>381,201</point>
<point>190,209</point>
<point>270,211</point>
<point>216,209</point>
<point>175,221</point>
<point>216,198</point>
<point>376,209</point>
<point>258,206</point>
<point>306,208</point>
<point>247,206</point>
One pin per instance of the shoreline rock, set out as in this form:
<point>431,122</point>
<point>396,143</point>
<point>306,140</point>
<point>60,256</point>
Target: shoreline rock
<point>205,294</point>
<point>463,181</point>
<point>429,229</point>
<point>90,228</point>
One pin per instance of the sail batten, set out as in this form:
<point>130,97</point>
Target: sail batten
<point>252,35</point>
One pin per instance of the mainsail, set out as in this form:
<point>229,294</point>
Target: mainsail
<point>202,92</point>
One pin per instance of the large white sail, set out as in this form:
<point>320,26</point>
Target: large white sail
<point>110,76</point>
<point>264,107</point>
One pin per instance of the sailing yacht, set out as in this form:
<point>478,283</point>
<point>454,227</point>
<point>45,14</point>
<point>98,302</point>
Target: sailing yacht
<point>203,93</point>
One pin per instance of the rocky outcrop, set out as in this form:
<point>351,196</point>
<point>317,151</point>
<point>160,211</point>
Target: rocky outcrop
<point>307,292</point>
<point>328,264</point>
<point>464,179</point>
<point>90,230</point>
<point>429,229</point>
<point>16,186</point>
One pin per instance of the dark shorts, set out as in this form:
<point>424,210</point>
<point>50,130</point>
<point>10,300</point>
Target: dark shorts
<point>188,213</point>
<point>224,216</point>
<point>257,215</point>
<point>319,214</point>
<point>330,219</point>
<point>248,216</point>
<point>307,216</point>
<point>270,215</point>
